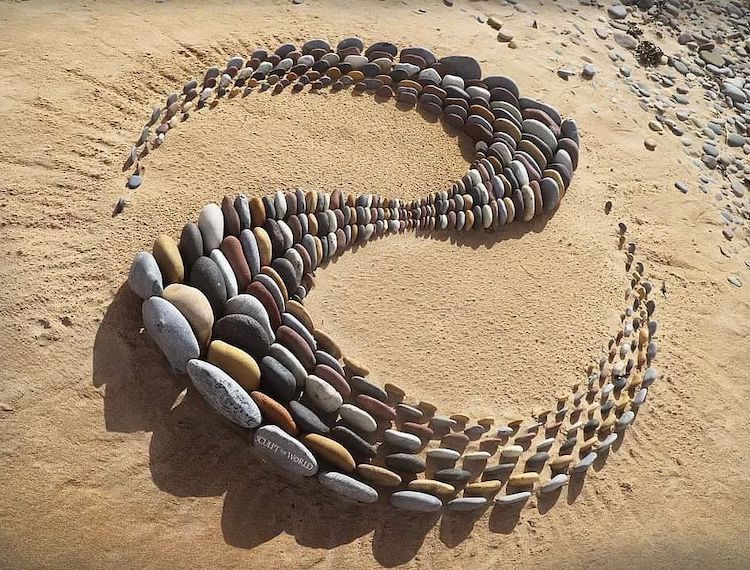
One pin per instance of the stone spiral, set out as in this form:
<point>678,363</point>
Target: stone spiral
<point>225,302</point>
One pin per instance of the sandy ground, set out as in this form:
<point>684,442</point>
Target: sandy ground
<point>97,472</point>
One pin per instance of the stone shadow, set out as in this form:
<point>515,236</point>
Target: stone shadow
<point>194,452</point>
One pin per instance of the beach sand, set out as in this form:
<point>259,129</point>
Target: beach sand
<point>96,471</point>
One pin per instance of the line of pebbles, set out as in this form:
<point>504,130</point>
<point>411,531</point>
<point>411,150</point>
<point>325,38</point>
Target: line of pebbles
<point>225,305</point>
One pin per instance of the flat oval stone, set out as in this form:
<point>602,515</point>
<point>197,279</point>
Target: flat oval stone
<point>405,463</point>
<point>358,418</point>
<point>277,379</point>
<point>195,308</point>
<point>364,386</point>
<point>251,306</point>
<point>513,498</point>
<point>355,444</point>
<point>452,475</point>
<point>443,454</point>
<point>243,332</point>
<point>234,254</point>
<point>306,419</point>
<point>585,463</point>
<point>297,345</point>
<point>432,487</point>
<point>322,395</point>
<point>238,364</point>
<point>332,451</point>
<point>285,451</point>
<point>190,245</point>
<point>290,362</point>
<point>512,451</point>
<point>465,504</point>
<point>462,66</point>
<point>416,502</point>
<point>230,280</point>
<point>378,475</point>
<point>223,394</point>
<point>498,472</point>
<point>348,487</point>
<point>402,440</point>
<point>168,257</point>
<point>375,407</point>
<point>555,483</point>
<point>211,225</point>
<point>207,277</point>
<point>171,331</point>
<point>144,278</point>
<point>487,488</point>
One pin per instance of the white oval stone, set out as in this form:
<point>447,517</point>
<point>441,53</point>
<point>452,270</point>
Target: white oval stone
<point>224,394</point>
<point>444,454</point>
<point>211,225</point>
<point>555,483</point>
<point>348,487</point>
<point>407,441</point>
<point>357,417</point>
<point>463,504</point>
<point>606,443</point>
<point>585,463</point>
<point>230,279</point>
<point>512,451</point>
<point>625,419</point>
<point>514,498</point>
<point>324,396</point>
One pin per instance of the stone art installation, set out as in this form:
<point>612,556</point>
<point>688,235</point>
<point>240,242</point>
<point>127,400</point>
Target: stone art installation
<point>225,302</point>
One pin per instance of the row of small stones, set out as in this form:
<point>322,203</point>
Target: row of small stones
<point>243,354</point>
<point>525,140</point>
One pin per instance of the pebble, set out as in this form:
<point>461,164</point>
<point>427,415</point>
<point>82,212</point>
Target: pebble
<point>513,498</point>
<point>322,395</point>
<point>348,487</point>
<point>171,331</point>
<point>223,394</point>
<point>402,440</point>
<point>285,451</point>
<point>555,483</point>
<point>650,144</point>
<point>416,502</point>
<point>144,278</point>
<point>330,450</point>
<point>681,186</point>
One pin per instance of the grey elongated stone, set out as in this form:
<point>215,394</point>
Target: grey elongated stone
<point>513,499</point>
<point>290,362</point>
<point>245,304</point>
<point>358,418</point>
<point>211,225</point>
<point>584,463</point>
<point>606,443</point>
<point>250,249</point>
<point>555,483</point>
<point>171,331</point>
<point>230,279</point>
<point>625,419</point>
<point>416,502</point>
<point>442,422</point>
<point>348,487</point>
<point>539,129</point>
<point>223,394</point>
<point>402,440</point>
<point>145,278</point>
<point>324,396</point>
<point>649,377</point>
<point>283,450</point>
<point>444,454</point>
<point>463,504</point>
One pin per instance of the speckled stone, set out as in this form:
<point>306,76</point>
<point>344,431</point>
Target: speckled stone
<point>224,394</point>
<point>348,487</point>
<point>144,278</point>
<point>171,331</point>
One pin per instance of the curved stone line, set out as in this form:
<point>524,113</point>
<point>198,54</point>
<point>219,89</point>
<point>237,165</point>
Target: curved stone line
<point>268,368</point>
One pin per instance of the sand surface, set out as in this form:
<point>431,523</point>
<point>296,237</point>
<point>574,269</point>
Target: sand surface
<point>97,472</point>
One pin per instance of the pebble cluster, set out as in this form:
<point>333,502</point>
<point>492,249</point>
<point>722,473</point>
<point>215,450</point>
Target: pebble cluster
<point>225,303</point>
<point>698,92</point>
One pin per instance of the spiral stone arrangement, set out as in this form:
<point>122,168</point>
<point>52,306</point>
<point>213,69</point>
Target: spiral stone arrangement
<point>225,303</point>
